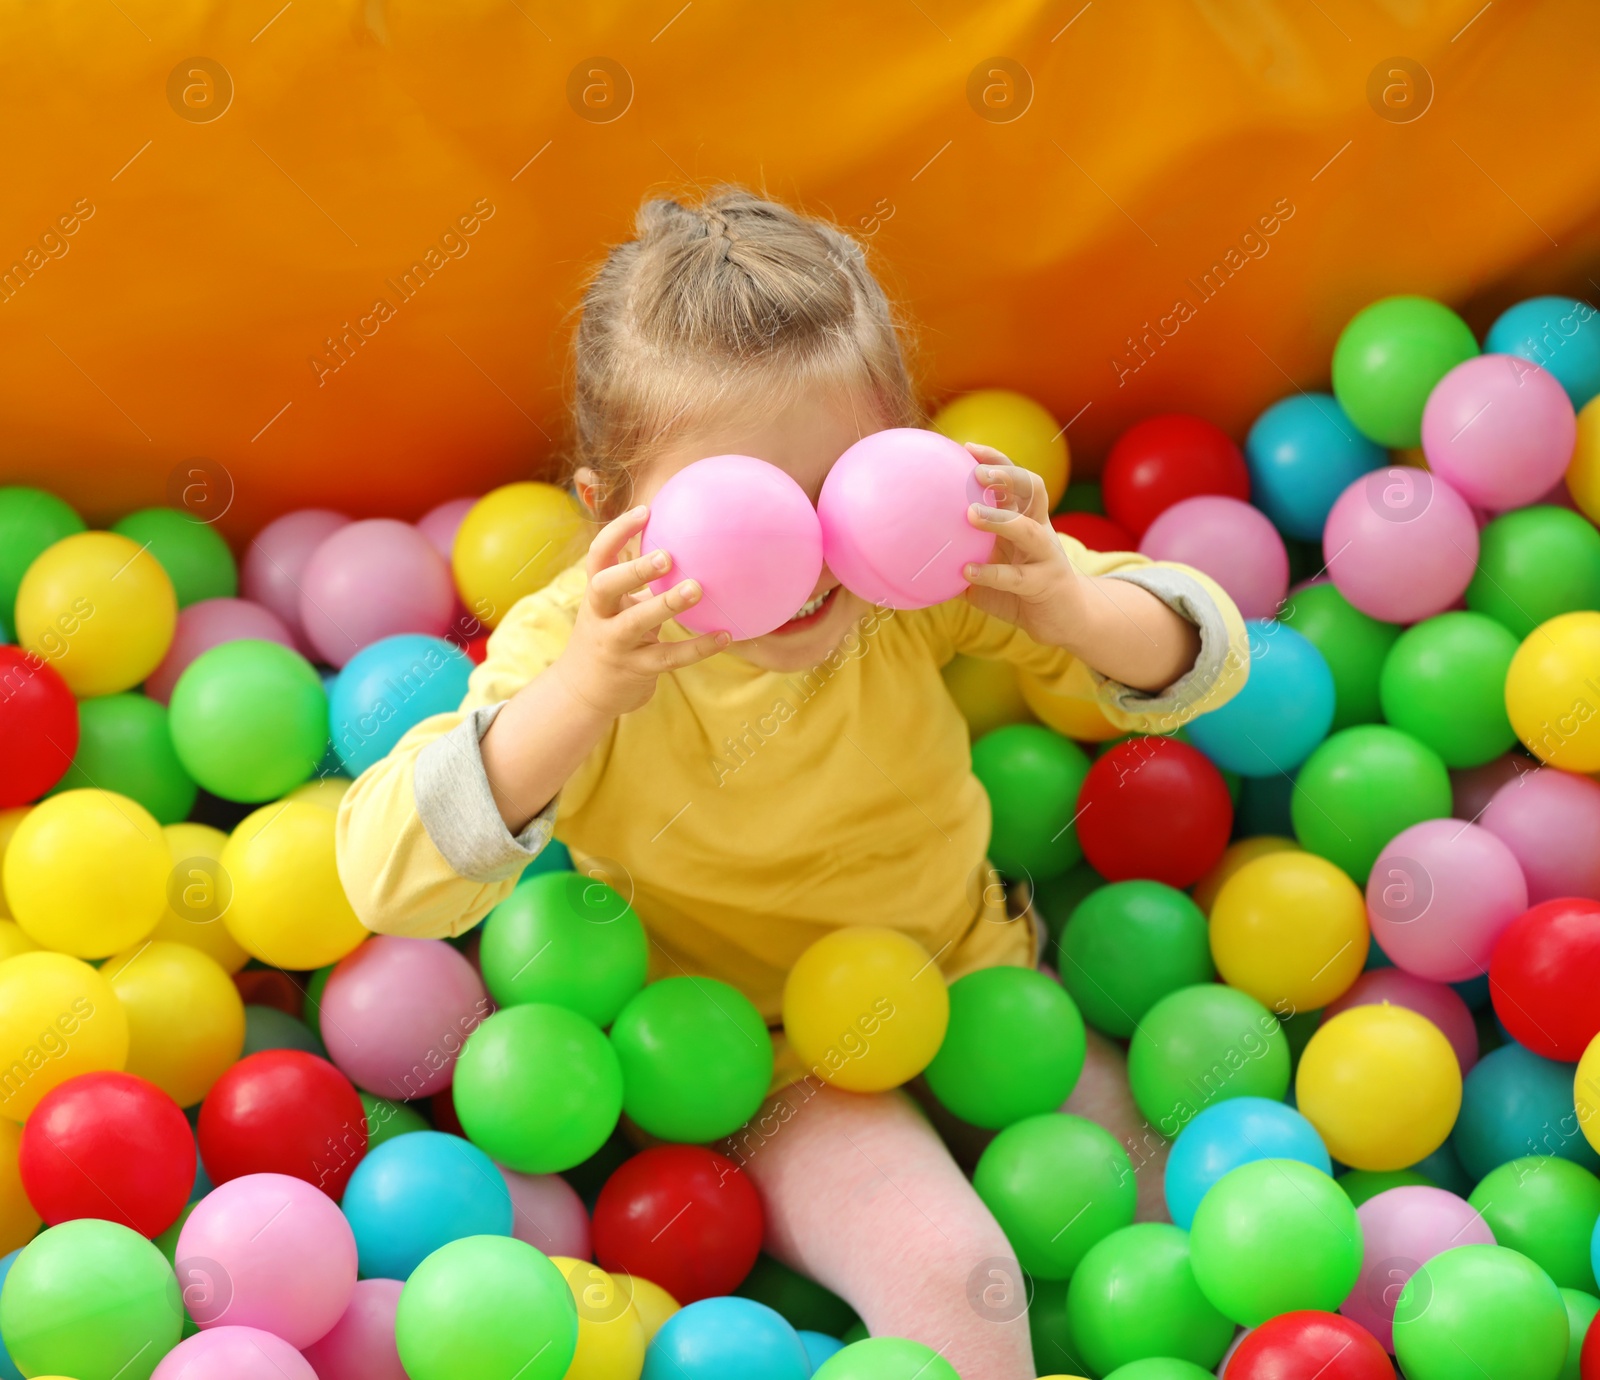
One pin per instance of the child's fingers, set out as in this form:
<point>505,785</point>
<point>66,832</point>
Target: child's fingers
<point>609,541</point>
<point>1006,577</point>
<point>649,614</point>
<point>1015,488</point>
<point>1032,540</point>
<point>609,590</point>
<point>674,656</point>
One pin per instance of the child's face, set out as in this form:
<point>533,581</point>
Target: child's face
<point>803,438</point>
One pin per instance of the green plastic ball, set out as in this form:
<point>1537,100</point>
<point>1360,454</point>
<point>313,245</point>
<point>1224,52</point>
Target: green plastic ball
<point>193,553</point>
<point>886,1358</point>
<point>1056,898</point>
<point>1388,359</point>
<point>386,1119</point>
<point>1160,1368</point>
<point>565,938</point>
<point>1055,1349</point>
<point>803,1303</point>
<point>266,1027</point>
<point>1134,1295</point>
<point>124,746</point>
<point>1444,683</point>
<point>696,1059</point>
<point>1354,645</point>
<point>311,1002</point>
<point>1480,1310</point>
<point>538,1088</point>
<point>486,1306</point>
<point>1534,564</point>
<point>1014,1047</point>
<point>1128,945</point>
<point>1056,1184</point>
<point>90,1298</point>
<point>1033,777</point>
<point>1581,1310</point>
<point>1082,496</point>
<point>249,720</point>
<point>1546,1207</point>
<point>1361,1184</point>
<point>31,520</point>
<point>1205,1044</point>
<point>1360,788</point>
<point>1274,1236</point>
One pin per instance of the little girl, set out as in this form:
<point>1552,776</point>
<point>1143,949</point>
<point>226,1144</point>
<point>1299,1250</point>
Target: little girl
<point>761,794</point>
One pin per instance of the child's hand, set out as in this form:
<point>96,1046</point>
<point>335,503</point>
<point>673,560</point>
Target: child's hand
<point>1029,581</point>
<point>616,652</point>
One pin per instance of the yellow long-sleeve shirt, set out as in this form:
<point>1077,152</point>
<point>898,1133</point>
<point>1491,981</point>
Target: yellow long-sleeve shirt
<point>744,812</point>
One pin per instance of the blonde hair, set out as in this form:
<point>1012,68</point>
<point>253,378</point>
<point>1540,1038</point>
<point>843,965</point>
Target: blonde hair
<point>733,300</point>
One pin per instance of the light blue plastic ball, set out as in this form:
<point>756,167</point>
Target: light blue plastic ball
<point>1228,1134</point>
<point>722,1337</point>
<point>418,1192</point>
<point>389,688</point>
<point>8,1369</point>
<point>1303,453</point>
<point>1284,710</point>
<point>1560,334</point>
<point>819,1346</point>
<point>1513,1103</point>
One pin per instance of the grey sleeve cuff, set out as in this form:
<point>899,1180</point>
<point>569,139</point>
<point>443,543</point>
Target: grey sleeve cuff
<point>457,807</point>
<point>1187,597</point>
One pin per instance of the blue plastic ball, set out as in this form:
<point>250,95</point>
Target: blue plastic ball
<point>552,858</point>
<point>1513,1103</point>
<point>389,688</point>
<point>1284,710</point>
<point>1559,334</point>
<point>819,1346</point>
<point>721,1337</point>
<point>1228,1134</point>
<point>1303,453</point>
<point>1445,1170</point>
<point>8,1368</point>
<point>418,1192</point>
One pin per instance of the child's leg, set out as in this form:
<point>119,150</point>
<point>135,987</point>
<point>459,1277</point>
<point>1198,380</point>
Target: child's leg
<point>862,1196</point>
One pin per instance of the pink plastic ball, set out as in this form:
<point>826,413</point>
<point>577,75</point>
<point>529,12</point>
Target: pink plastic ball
<point>1233,543</point>
<point>1472,788</point>
<point>747,532</point>
<point>1400,544</point>
<point>894,518</point>
<point>236,1353</point>
<point>208,624</point>
<point>396,1012</point>
<point>1500,429</point>
<point>361,1345</point>
<point>276,560</point>
<point>548,1214</point>
<point>1550,820</point>
<point>1401,1230</point>
<point>267,1251</point>
<point>1431,1000</point>
<point>369,581</point>
<point>1440,894</point>
<point>439,525</point>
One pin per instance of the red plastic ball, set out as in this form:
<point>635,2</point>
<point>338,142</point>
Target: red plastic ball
<point>1543,978</point>
<point>443,1106</point>
<point>680,1216</point>
<point>1154,808</point>
<point>270,987</point>
<point>283,1111</point>
<point>1589,1357</point>
<point>38,726</point>
<point>108,1145</point>
<point>1310,1346</point>
<point>1164,460</point>
<point>1096,532</point>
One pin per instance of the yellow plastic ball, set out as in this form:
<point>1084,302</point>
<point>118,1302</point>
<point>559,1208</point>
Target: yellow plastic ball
<point>1586,1092</point>
<point>100,609</point>
<point>288,907</point>
<point>1381,1085</point>
<point>651,1302</point>
<point>986,692</point>
<point>58,1018</point>
<point>1235,856</point>
<point>611,1340</point>
<point>9,820</point>
<point>185,1017</point>
<point>18,1220</point>
<point>1553,691</point>
<point>866,1008</point>
<point>1290,929</point>
<point>1075,716</point>
<point>1025,433</point>
<point>514,540</point>
<point>1583,471</point>
<point>86,873</point>
<point>14,941</point>
<point>198,892</point>
<point>327,792</point>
